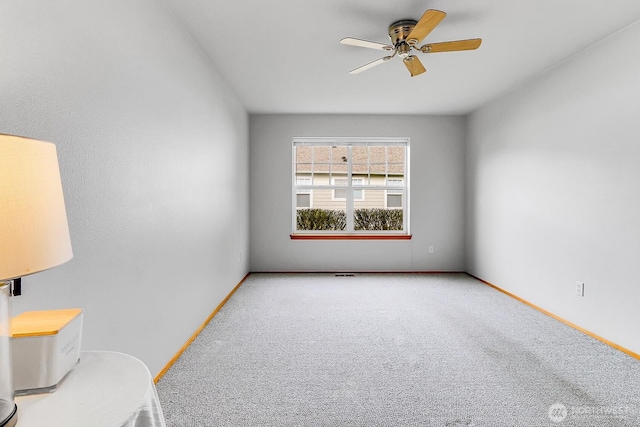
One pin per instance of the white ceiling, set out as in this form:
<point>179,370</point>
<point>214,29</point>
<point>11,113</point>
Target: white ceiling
<point>284,56</point>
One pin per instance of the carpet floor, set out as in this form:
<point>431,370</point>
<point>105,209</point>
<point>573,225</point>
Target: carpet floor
<point>394,350</point>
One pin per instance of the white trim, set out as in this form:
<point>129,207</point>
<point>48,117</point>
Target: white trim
<point>347,140</point>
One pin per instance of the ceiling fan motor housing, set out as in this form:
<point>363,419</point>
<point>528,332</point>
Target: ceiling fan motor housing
<point>400,30</point>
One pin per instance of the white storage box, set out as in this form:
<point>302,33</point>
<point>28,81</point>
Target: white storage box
<point>45,346</point>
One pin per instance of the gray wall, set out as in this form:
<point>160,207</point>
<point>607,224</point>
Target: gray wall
<point>153,153</point>
<point>437,196</point>
<point>154,156</point>
<point>554,189</point>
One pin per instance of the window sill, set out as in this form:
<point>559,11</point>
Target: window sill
<point>350,236</point>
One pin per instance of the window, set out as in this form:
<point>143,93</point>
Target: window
<point>341,194</point>
<point>350,186</point>
<point>394,195</point>
<point>303,195</point>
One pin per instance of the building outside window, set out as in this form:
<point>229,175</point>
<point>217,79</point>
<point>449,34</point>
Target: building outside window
<point>350,186</point>
<point>341,194</point>
<point>303,195</point>
<point>394,196</point>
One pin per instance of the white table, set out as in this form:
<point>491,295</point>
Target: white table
<point>105,389</point>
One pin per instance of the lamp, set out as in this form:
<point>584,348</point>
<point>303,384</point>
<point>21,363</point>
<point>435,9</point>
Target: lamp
<point>34,234</point>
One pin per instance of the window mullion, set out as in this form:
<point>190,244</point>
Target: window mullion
<point>313,165</point>
<point>386,163</point>
<point>368,165</point>
<point>350,192</point>
<point>405,191</point>
<point>330,161</point>
<point>294,196</point>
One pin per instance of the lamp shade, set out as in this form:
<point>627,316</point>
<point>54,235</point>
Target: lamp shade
<point>34,234</point>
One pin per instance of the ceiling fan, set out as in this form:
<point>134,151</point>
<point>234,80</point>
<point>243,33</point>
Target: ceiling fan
<point>405,36</point>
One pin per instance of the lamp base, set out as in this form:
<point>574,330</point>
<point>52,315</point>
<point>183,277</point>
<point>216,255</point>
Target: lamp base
<point>12,419</point>
<point>45,346</point>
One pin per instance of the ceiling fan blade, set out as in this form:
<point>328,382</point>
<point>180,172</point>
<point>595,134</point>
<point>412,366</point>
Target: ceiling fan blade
<point>365,43</point>
<point>429,20</point>
<point>414,65</point>
<point>470,44</point>
<point>370,65</point>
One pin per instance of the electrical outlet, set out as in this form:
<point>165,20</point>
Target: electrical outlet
<point>430,249</point>
<point>580,289</point>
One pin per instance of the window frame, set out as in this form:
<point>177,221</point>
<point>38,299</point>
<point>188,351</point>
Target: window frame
<point>350,142</point>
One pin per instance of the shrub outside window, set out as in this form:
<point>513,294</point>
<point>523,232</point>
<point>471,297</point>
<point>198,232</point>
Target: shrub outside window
<point>350,186</point>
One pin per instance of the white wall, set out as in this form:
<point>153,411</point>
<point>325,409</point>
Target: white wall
<point>437,197</point>
<point>554,189</point>
<point>153,152</point>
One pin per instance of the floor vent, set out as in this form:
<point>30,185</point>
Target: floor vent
<point>345,275</point>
